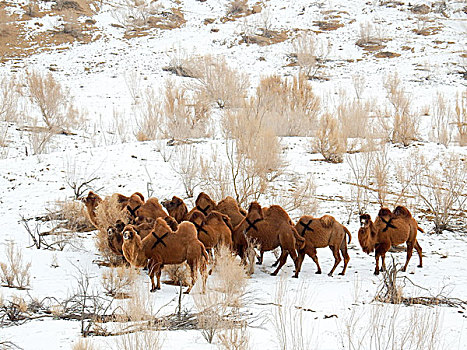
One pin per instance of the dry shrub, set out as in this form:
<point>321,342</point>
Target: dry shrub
<point>288,105</point>
<point>117,280</point>
<point>145,339</point>
<point>235,7</point>
<point>369,37</point>
<point>380,168</point>
<point>3,140</point>
<point>107,214</point>
<point>14,273</point>
<point>461,117</point>
<point>9,97</point>
<point>287,318</point>
<point>72,214</point>
<point>218,83</point>
<point>135,14</point>
<point>310,52</point>
<point>358,82</point>
<point>219,305</point>
<point>441,187</point>
<point>330,140</point>
<point>53,101</point>
<point>178,274</point>
<point>139,307</point>
<point>187,114</point>
<point>440,121</point>
<point>71,24</point>
<point>402,125</point>
<point>83,344</point>
<point>234,338</point>
<point>149,116</point>
<point>253,157</point>
<point>301,197</point>
<point>354,118</point>
<point>186,164</point>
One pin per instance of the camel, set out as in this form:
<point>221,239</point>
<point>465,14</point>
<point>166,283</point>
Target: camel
<point>92,200</point>
<point>151,209</point>
<point>213,229</point>
<point>319,233</point>
<point>230,207</point>
<point>164,246</point>
<point>115,234</point>
<point>389,229</point>
<point>176,208</point>
<point>271,229</point>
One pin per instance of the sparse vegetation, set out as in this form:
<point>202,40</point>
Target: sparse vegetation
<point>14,273</point>
<point>330,140</point>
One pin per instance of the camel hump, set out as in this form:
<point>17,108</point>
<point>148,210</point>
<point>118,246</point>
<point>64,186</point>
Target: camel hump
<point>276,212</point>
<point>188,230</point>
<point>384,212</point>
<point>327,221</point>
<point>120,198</point>
<point>138,194</point>
<point>402,212</point>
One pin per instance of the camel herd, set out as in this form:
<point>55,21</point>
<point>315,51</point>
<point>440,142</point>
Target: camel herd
<point>151,237</point>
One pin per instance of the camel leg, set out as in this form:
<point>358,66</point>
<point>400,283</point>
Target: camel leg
<point>419,251</point>
<point>301,256</point>
<point>346,256</point>
<point>282,260</point>
<point>383,262</point>
<point>260,258</point>
<point>409,255</point>
<point>293,254</point>
<point>275,263</point>
<point>312,254</point>
<point>155,269</point>
<point>193,277</point>
<point>377,263</point>
<point>337,259</point>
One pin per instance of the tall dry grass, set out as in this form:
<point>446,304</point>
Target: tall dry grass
<point>311,52</point>
<point>441,128</point>
<point>330,140</point>
<point>217,82</point>
<point>15,272</point>
<point>288,106</point>
<point>53,101</point>
<point>461,117</point>
<point>9,98</point>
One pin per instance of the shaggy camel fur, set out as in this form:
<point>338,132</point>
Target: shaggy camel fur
<point>230,207</point>
<point>151,209</point>
<point>163,246</point>
<point>269,230</point>
<point>389,229</point>
<point>319,233</point>
<point>213,229</point>
<point>176,208</point>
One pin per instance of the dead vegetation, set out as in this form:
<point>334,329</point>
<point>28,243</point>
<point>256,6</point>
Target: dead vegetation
<point>14,273</point>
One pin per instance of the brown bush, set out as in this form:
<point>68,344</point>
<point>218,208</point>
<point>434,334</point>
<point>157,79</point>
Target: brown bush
<point>461,118</point>
<point>9,88</point>
<point>310,52</point>
<point>14,272</point>
<point>329,140</point>
<point>288,106</point>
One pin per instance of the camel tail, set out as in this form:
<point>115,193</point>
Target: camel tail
<point>298,238</point>
<point>420,229</point>
<point>348,233</point>
<point>205,254</point>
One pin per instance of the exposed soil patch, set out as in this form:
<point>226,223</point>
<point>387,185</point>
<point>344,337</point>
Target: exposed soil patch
<point>266,37</point>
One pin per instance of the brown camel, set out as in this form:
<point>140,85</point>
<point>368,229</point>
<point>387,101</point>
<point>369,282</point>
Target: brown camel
<point>230,207</point>
<point>389,229</point>
<point>319,233</point>
<point>92,200</point>
<point>213,229</point>
<point>163,246</point>
<point>176,208</point>
<point>270,230</point>
<point>151,209</point>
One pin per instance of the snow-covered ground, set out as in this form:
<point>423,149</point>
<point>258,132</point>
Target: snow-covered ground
<point>97,74</point>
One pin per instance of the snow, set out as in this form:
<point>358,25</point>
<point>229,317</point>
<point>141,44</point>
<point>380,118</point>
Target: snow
<point>97,73</point>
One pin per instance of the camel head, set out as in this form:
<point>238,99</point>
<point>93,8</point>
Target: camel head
<point>173,224</point>
<point>92,199</point>
<point>384,213</point>
<point>402,211</point>
<point>255,211</point>
<point>198,218</point>
<point>204,203</point>
<point>366,235</point>
<point>172,204</point>
<point>161,226</point>
<point>130,233</point>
